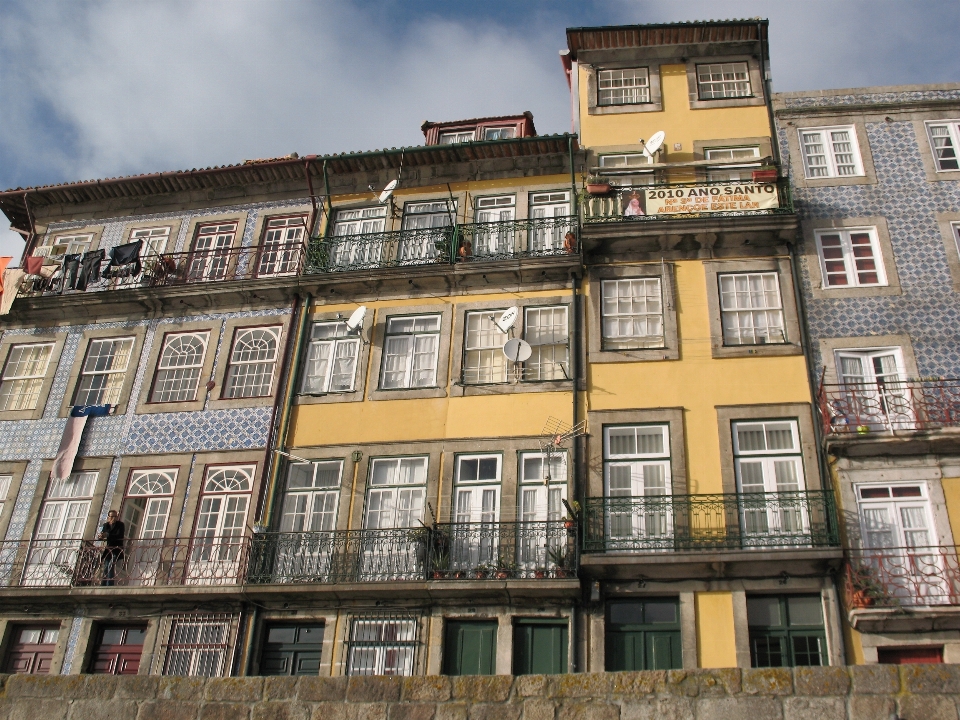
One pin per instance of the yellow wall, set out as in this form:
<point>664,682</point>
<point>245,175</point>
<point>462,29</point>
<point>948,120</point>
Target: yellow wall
<point>716,638</point>
<point>680,123</point>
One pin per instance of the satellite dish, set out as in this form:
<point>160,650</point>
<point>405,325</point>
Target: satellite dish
<point>356,318</point>
<point>654,143</point>
<point>388,191</point>
<point>517,350</point>
<point>508,319</point>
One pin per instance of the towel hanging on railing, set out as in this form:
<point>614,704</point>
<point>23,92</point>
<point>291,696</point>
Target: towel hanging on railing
<point>124,260</point>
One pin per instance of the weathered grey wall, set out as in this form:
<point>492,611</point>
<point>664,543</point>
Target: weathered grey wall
<point>874,692</point>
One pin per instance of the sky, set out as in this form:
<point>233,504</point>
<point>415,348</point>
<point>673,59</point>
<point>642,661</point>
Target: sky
<point>101,88</point>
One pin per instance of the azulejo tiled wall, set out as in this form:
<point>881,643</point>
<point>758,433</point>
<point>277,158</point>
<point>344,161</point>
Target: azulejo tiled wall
<point>928,308</point>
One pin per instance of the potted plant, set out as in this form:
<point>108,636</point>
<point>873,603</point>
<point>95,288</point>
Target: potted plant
<point>504,569</point>
<point>597,185</point>
<point>561,559</point>
<point>482,571</point>
<point>440,560</point>
<point>865,586</point>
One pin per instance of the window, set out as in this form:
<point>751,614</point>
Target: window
<point>732,173</point>
<point>723,80</point>
<point>643,635</point>
<point>623,87</point>
<point>331,359</point>
<point>483,358</point>
<point>543,543</point>
<point>199,646</point>
<point>221,524</point>
<point>23,376</point>
<point>179,367</point>
<point>944,140</point>
<point>71,244</point>
<point>494,239</point>
<point>410,348</point>
<point>478,489</point>
<point>281,246</point>
<point>636,467</point>
<point>426,232</point>
<point>103,372</point>
<point>56,542</point>
<point>547,331</point>
<point>830,152</point>
<point>620,165</point>
<point>455,138</point>
<point>252,362</point>
<point>154,240</point>
<point>875,394</point>
<point>382,645</point>
<point>210,259</point>
<point>879,366</point>
<point>550,210</point>
<point>396,493</point>
<point>750,308</point>
<point>786,631</point>
<point>146,507</point>
<point>5,481</point>
<point>117,650</point>
<point>358,251</point>
<point>850,258</point>
<point>470,647</point>
<point>310,503</point>
<point>895,516</point>
<point>499,133</point>
<point>632,313</point>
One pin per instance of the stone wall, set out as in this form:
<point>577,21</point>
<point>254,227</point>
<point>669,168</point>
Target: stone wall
<point>874,692</point>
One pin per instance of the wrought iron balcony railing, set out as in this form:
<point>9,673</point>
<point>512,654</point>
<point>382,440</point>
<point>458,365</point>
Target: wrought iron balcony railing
<point>666,201</point>
<point>734,521</point>
<point>864,408</point>
<point>460,551</point>
<point>185,268</point>
<point>450,244</point>
<point>902,577</point>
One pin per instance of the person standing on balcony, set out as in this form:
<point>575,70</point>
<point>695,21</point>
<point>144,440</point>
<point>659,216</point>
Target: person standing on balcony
<point>112,531</point>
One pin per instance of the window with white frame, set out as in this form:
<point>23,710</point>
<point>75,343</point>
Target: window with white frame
<point>103,371</point>
<point>5,481</point>
<point>331,359</point>
<point>543,486</point>
<point>717,81</point>
<point>547,235</point>
<point>179,367</point>
<point>253,361</point>
<point>627,86</point>
<point>875,366</point>
<point>547,331</point>
<point>455,138</point>
<point>494,239</point>
<point>830,152</point>
<point>944,141</point>
<point>73,244</point>
<point>281,246</point>
<point>210,259</point>
<point>732,173</point>
<point>382,646</point>
<point>410,347</point>
<point>396,493</point>
<point>23,376</point>
<point>221,525</point>
<point>63,515</point>
<point>424,232</point>
<point>154,240</point>
<point>499,133</point>
<point>198,646</point>
<point>496,208</point>
<point>621,165</point>
<point>850,258</point>
<point>483,358</point>
<point>146,507</point>
<point>477,496</point>
<point>310,502</point>
<point>895,516</point>
<point>358,221</point>
<point>751,310</point>
<point>636,464</point>
<point>632,313</point>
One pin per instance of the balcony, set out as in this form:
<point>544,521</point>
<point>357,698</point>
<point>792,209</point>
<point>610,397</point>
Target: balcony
<point>186,268</point>
<point>742,522</point>
<point>464,551</point>
<point>449,245</point>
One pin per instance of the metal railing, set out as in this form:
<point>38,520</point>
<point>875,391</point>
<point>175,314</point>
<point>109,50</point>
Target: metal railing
<point>459,551</point>
<point>476,242</point>
<point>185,268</point>
<point>862,408</point>
<point>733,521</point>
<point>616,206</point>
<point>902,577</point>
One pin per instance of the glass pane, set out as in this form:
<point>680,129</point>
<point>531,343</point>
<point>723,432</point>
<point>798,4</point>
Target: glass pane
<point>764,612</point>
<point>661,612</point>
<point>805,610</point>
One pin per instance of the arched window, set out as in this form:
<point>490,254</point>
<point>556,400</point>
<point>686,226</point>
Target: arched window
<point>179,368</point>
<point>146,508</point>
<point>228,479</point>
<point>252,362</point>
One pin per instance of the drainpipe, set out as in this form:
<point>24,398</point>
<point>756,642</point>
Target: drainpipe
<point>578,490</point>
<point>313,198</point>
<point>326,189</point>
<point>573,180</point>
<point>768,91</point>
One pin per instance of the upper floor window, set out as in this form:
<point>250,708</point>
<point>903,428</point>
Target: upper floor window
<point>733,173</point>
<point>410,352</point>
<point>423,237</point>
<point>548,236</point>
<point>146,507</point>
<point>750,308</point>
<point>103,371</point>
<point>547,331</point>
<point>282,242</point>
<point>499,133</point>
<point>64,511</point>
<point>310,503</point>
<point>5,481</point>
<point>830,152</point>
<point>622,163</point>
<point>179,367</point>
<point>455,138</point>
<point>895,515</point>
<point>723,80</point>
<point>331,359</point>
<point>477,489</point>
<point>396,493</point>
<point>945,139</point>
<point>360,221</point>
<point>496,208</point>
<point>850,258</point>
<point>358,251</point>
<point>252,362</point>
<point>483,358</point>
<point>154,239</point>
<point>767,457</point>
<point>636,463</point>
<point>23,376</point>
<point>74,244</point>
<point>628,86</point>
<point>210,259</point>
<point>632,311</point>
<point>215,236</point>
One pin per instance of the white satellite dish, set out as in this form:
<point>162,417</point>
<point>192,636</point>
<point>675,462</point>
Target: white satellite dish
<point>517,350</point>
<point>355,320</point>
<point>388,191</point>
<point>508,319</point>
<point>654,143</point>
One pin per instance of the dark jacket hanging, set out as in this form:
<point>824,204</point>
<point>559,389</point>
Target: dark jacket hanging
<point>124,260</point>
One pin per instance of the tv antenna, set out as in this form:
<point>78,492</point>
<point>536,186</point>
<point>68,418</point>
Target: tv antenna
<point>553,437</point>
<point>355,321</point>
<point>653,144</point>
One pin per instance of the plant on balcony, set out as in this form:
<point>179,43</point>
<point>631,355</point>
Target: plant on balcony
<point>505,569</point>
<point>866,587</point>
<point>440,563</point>
<point>483,570</point>
<point>597,185</point>
<point>562,560</point>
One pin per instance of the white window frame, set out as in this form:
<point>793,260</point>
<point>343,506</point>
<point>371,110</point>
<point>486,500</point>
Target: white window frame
<point>621,165</point>
<point>342,350</point>
<point>410,376</point>
<point>545,205</point>
<point>880,400</point>
<point>350,222</point>
<point>379,655</point>
<point>422,226</point>
<point>550,356</point>
<point>830,166</point>
<point>258,365</point>
<point>758,322</point>
<point>615,87</point>
<point>59,531</point>
<point>21,386</point>
<point>70,244</point>
<point>113,376</point>
<point>467,489</point>
<point>210,256</point>
<point>149,495</point>
<point>851,272</point>
<point>894,504</point>
<point>404,490</point>
<point>456,137</point>
<point>279,251</point>
<point>154,240</point>
<point>311,500</point>
<point>5,482</point>
<point>207,655</point>
<point>650,475</point>
<point>183,373</point>
<point>724,88</point>
<point>504,132</point>
<point>651,307</point>
<point>483,360</point>
<point>732,173</point>
<point>953,138</point>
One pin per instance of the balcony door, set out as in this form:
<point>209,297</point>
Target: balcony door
<point>542,542</point>
<point>210,259</point>
<point>281,246</point>
<point>145,513</point>
<point>492,238</point>
<point>356,237</point>
<point>56,543</point>
<point>306,546</point>
<point>426,231</point>
<point>474,537</point>
<point>547,231</point>
<point>875,389</point>
<point>221,524</point>
<point>394,540</point>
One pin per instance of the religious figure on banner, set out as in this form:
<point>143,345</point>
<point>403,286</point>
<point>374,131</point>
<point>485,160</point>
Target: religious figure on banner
<point>634,205</point>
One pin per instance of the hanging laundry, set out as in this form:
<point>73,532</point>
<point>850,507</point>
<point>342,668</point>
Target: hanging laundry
<point>69,444</point>
<point>32,265</point>
<point>70,271</point>
<point>124,260</point>
<point>90,268</point>
<point>9,283</point>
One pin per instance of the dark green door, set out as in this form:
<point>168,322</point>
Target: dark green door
<point>539,647</point>
<point>292,650</point>
<point>470,648</point>
<point>643,635</point>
